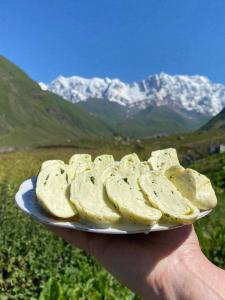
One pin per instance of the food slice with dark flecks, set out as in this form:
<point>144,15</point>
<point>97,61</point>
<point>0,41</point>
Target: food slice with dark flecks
<point>163,195</point>
<point>88,194</point>
<point>126,196</point>
<point>161,160</point>
<point>53,192</point>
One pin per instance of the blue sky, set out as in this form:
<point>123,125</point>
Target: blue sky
<point>128,39</point>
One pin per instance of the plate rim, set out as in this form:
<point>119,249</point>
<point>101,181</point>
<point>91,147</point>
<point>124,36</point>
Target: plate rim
<point>28,186</point>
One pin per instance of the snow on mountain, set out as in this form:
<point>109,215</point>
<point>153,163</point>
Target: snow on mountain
<point>43,86</point>
<point>191,93</point>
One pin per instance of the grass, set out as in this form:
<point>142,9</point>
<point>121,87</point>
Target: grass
<point>34,264</point>
<point>30,256</point>
<point>30,116</point>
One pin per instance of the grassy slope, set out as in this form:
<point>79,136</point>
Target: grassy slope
<point>194,145</point>
<point>159,120</point>
<point>29,115</point>
<point>217,122</point>
<point>110,112</point>
<point>145,123</point>
<point>153,120</point>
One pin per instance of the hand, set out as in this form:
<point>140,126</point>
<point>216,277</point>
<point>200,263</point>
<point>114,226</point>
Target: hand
<point>151,265</point>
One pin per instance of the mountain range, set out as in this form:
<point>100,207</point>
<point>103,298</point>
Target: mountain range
<point>30,115</point>
<point>190,93</point>
<point>160,104</point>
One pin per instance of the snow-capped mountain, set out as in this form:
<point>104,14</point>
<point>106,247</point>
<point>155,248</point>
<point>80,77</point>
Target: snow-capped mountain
<point>191,93</point>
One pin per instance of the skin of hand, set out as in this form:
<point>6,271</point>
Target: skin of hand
<point>160,265</point>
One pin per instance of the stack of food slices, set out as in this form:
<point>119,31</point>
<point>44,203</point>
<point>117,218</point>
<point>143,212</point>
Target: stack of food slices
<point>108,192</point>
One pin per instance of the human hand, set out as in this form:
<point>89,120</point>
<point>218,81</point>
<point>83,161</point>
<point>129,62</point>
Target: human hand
<point>153,265</point>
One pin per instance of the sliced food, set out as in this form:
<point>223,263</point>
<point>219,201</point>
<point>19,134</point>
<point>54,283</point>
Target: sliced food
<point>130,201</point>
<point>128,161</point>
<point>163,195</point>
<point>79,163</point>
<point>51,163</point>
<point>101,163</point>
<point>193,186</point>
<point>131,166</point>
<point>88,195</point>
<point>161,160</point>
<point>52,191</point>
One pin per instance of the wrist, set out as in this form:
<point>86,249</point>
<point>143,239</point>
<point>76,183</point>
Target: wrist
<point>177,279</point>
<point>191,276</point>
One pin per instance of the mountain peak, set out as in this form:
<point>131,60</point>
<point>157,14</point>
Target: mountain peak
<point>191,93</point>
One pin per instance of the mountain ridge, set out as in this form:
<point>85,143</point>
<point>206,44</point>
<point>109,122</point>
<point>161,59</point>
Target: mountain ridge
<point>31,116</point>
<point>217,122</point>
<point>191,93</point>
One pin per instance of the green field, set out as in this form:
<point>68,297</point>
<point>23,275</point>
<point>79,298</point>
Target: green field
<point>34,264</point>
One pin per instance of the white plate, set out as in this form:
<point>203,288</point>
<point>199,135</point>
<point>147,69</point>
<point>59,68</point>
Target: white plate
<point>26,200</point>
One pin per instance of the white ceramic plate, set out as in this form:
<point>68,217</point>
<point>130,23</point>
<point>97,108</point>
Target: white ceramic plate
<point>26,200</point>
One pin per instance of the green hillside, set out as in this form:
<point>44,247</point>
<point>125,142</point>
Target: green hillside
<point>145,123</point>
<point>108,111</point>
<point>30,116</point>
<point>159,120</point>
<point>217,122</point>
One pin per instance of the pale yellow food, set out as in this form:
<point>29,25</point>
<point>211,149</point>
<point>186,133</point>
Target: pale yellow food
<point>88,195</point>
<point>129,160</point>
<point>79,163</point>
<point>130,201</point>
<point>52,191</point>
<point>163,195</point>
<point>101,164</point>
<point>108,192</point>
<point>109,172</point>
<point>49,163</point>
<point>193,186</point>
<point>127,163</point>
<point>130,166</point>
<point>161,160</point>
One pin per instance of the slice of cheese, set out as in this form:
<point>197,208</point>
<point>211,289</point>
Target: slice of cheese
<point>52,191</point>
<point>163,195</point>
<point>193,186</point>
<point>130,201</point>
<point>87,193</point>
<point>161,160</point>
<point>79,163</point>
